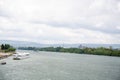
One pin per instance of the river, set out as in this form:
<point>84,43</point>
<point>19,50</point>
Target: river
<point>61,66</point>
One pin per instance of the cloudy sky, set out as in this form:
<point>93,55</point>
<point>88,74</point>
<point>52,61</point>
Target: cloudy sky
<point>60,21</point>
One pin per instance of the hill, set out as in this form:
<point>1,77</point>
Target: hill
<point>34,44</point>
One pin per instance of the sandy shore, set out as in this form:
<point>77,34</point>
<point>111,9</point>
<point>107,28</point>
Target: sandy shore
<point>5,55</point>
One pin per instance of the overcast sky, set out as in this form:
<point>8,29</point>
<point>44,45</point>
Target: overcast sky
<point>60,21</point>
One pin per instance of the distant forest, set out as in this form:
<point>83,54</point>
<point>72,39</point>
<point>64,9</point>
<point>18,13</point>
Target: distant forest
<point>81,50</point>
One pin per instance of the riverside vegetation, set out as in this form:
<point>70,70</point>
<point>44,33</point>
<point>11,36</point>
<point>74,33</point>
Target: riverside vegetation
<point>6,48</point>
<point>85,50</point>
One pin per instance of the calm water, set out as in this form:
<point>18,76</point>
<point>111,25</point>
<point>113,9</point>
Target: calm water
<point>59,66</point>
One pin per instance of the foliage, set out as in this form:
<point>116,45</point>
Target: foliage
<point>85,50</point>
<point>7,48</point>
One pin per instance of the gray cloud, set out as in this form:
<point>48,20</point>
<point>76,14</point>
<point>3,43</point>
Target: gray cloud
<point>109,28</point>
<point>66,21</point>
<point>97,15</point>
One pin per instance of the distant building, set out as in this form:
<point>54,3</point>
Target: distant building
<point>81,46</point>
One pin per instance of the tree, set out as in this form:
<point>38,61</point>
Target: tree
<point>7,48</point>
<point>2,47</point>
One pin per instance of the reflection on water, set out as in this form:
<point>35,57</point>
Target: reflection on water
<point>59,66</point>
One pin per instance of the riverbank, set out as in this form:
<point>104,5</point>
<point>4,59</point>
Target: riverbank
<point>85,50</point>
<point>5,55</point>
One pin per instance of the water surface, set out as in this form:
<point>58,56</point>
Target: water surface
<point>61,66</point>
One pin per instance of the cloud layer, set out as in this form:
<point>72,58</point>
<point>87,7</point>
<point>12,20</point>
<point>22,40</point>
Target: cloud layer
<point>60,21</point>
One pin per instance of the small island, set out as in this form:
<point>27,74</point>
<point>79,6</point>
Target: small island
<point>6,50</point>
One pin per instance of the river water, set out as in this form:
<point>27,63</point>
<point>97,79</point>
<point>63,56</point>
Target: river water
<point>61,66</point>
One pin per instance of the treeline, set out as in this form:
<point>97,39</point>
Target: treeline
<point>28,48</point>
<point>7,48</point>
<point>86,50</point>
